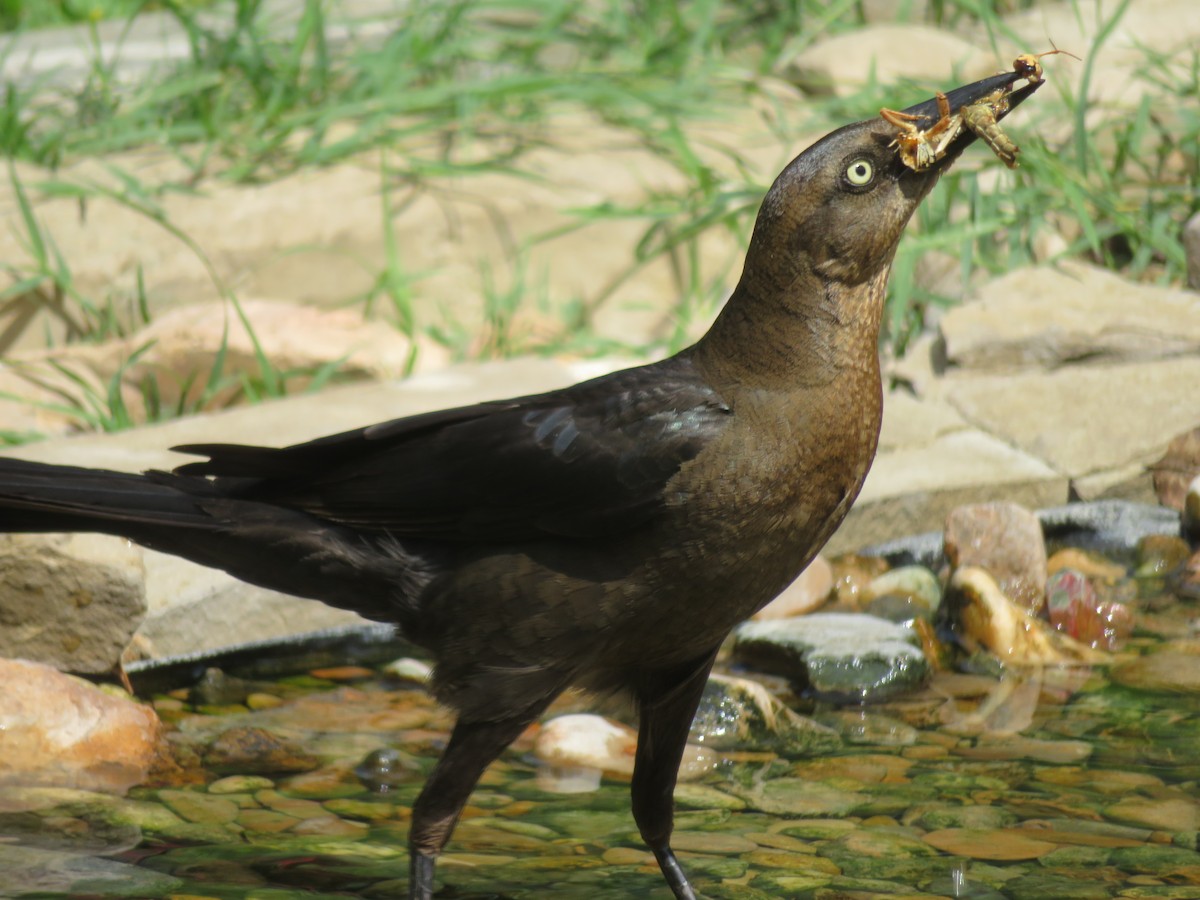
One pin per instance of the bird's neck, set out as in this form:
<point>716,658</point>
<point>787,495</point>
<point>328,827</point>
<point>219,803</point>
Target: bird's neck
<point>812,332</point>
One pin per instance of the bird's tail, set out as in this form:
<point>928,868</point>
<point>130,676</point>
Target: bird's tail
<point>265,544</point>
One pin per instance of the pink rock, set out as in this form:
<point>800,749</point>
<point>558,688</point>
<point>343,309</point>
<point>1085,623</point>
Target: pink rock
<point>61,731</point>
<point>1005,540</point>
<point>1076,610</point>
<point>809,591</point>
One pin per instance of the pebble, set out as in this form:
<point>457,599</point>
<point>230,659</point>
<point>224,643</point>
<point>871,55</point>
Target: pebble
<point>255,751</point>
<point>331,826</point>
<point>1005,540</point>
<point>1090,564</point>
<point>1178,814</point>
<point>1175,669</point>
<point>800,797</point>
<point>741,714</point>
<point>988,843</point>
<point>240,784</point>
<point>587,741</point>
<point>811,589</point>
<point>915,583</point>
<point>204,809</point>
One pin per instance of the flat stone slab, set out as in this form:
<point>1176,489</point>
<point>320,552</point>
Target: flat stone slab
<point>930,461</point>
<point>1052,316</point>
<point>1098,425</point>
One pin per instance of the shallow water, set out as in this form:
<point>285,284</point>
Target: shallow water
<point>1036,784</point>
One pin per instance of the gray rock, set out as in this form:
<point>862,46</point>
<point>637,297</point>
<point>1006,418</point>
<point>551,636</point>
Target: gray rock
<point>69,601</point>
<point>741,714</point>
<point>836,655</point>
<point>1005,540</point>
<point>1053,316</point>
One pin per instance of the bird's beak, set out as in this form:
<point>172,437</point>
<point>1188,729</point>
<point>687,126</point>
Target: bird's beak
<point>967,95</point>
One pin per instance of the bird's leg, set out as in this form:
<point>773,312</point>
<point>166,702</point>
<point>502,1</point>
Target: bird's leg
<point>668,702</point>
<point>472,747</point>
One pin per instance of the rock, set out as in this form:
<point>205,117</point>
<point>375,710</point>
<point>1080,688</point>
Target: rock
<point>415,671</point>
<point>1005,540</point>
<point>1052,416</point>
<point>740,714</point>
<point>255,751</point>
<point>1163,813</point>
<point>809,591</point>
<point>1075,610</point>
<point>903,594</point>
<point>800,797</point>
<point>1191,246</point>
<point>62,731</point>
<point>1178,469</point>
<point>386,768</point>
<point>577,748</point>
<point>1175,668</point>
<point>981,616</point>
<point>835,655</point>
<point>851,575</point>
<point>1159,554</point>
<point>988,843</point>
<point>27,870</point>
<point>1092,565</point>
<point>842,64</point>
<point>69,601</point>
<point>1096,316</point>
<point>293,336</point>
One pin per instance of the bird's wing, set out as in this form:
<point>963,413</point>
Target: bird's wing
<point>585,461</point>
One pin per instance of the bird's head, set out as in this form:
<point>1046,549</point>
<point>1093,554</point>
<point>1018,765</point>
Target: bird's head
<point>837,211</point>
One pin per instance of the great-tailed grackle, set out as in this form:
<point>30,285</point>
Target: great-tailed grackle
<point>608,535</point>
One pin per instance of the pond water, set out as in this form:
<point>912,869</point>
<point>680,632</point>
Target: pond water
<point>1038,783</point>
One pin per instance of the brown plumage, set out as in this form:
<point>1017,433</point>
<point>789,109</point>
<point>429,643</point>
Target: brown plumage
<point>608,535</point>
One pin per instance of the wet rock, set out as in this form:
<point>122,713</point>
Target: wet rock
<point>240,784</point>
<point>387,768</point>
<point>988,843</point>
<point>836,655</point>
<point>1159,861</point>
<point>1005,540</point>
<point>1159,554</point>
<point>1175,668</point>
<point>1165,813</point>
<point>1092,565</point>
<point>587,741</point>
<point>57,730</point>
<point>702,796</point>
<point>198,807</point>
<point>864,726</point>
<point>69,601</point>
<point>982,617</point>
<point>1185,583</point>
<point>851,575</point>
<point>800,797</point>
<point>26,870</point>
<point>910,587</point>
<point>809,591</point>
<point>1075,610</point>
<point>738,713</point>
<point>941,816</point>
<point>255,751</point>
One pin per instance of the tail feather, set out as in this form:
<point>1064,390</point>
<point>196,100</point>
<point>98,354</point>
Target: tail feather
<point>42,497</point>
<point>265,544</point>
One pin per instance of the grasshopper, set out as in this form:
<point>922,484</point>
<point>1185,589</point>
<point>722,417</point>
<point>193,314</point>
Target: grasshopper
<point>1027,65</point>
<point>982,116</point>
<point>921,149</point>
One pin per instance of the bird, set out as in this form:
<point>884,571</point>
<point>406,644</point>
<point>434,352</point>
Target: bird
<point>606,536</point>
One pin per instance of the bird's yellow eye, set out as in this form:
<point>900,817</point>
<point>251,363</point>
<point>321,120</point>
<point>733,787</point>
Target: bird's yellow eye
<point>860,172</point>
